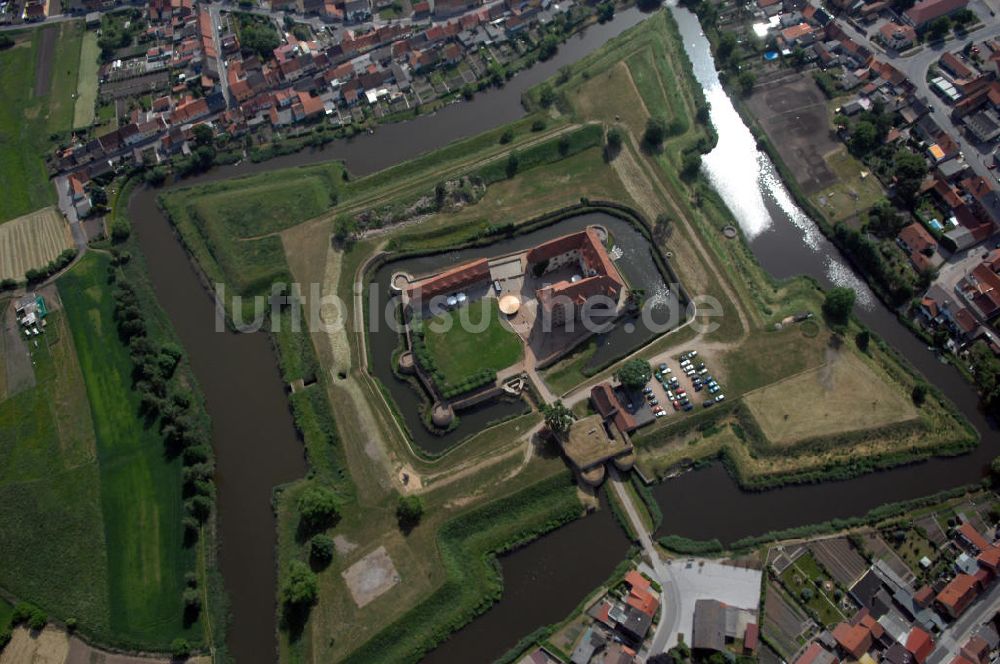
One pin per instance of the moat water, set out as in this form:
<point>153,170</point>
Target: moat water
<point>636,263</point>
<point>256,443</point>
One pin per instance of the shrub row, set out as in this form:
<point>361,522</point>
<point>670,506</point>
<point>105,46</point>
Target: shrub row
<point>690,547</point>
<point>164,399</point>
<point>36,275</point>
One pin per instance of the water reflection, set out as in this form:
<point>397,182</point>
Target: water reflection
<point>761,203</point>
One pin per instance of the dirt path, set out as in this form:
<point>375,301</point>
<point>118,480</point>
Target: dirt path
<point>46,58</point>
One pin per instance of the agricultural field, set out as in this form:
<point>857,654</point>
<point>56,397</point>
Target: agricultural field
<point>145,565</point>
<point>86,85</point>
<point>460,350</point>
<point>38,77</point>
<point>843,395</point>
<point>49,466</point>
<point>32,241</point>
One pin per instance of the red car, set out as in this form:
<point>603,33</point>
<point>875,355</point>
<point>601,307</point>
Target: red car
<point>677,404</point>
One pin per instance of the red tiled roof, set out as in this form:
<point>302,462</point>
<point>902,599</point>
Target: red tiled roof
<point>965,321</point>
<point>452,280</point>
<point>924,596</point>
<point>969,532</point>
<point>950,62</point>
<point>917,238</point>
<point>796,31</point>
<point>959,592</point>
<point>607,405</point>
<point>919,644</point>
<point>750,637</point>
<point>855,639</point>
<point>990,557</point>
<point>928,10</point>
<point>812,652</point>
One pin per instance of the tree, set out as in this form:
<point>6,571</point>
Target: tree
<point>690,165</point>
<point>909,170</point>
<point>318,508</point>
<point>550,44</point>
<point>513,162</point>
<point>344,229</point>
<point>613,142</point>
<point>746,81</point>
<point>656,132</point>
<point>605,11</point>
<point>507,136</point>
<point>938,28</point>
<point>321,549</point>
<point>864,138</point>
<point>884,221</point>
<point>838,304</point>
<point>300,586</point>
<point>726,47</point>
<point>409,511</point>
<point>180,648</point>
<point>635,373</point>
<point>5,42</point>
<point>557,417</point>
<point>919,394</point>
<point>861,339</point>
<point>202,134</point>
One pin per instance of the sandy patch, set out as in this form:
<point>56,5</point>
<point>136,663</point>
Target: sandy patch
<point>343,545</point>
<point>50,646</point>
<point>371,577</point>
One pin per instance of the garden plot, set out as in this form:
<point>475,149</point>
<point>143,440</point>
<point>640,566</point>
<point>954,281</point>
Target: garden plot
<point>32,241</point>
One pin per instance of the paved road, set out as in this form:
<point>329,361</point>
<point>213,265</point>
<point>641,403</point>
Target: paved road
<point>669,597</point>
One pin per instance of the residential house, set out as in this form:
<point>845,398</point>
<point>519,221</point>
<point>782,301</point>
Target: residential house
<point>897,37</point>
<point>956,597</point>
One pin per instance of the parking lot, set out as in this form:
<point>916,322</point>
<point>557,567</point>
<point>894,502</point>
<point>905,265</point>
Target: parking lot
<point>680,384</point>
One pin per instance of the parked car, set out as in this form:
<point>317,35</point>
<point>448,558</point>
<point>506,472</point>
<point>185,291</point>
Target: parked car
<point>688,406</point>
<point>698,387</point>
<point>681,392</point>
<point>707,404</point>
<point>653,402</point>
<point>702,372</point>
<point>663,367</point>
<point>676,404</point>
<point>720,397</point>
<point>660,413</point>
<point>647,390</point>
<point>712,389</point>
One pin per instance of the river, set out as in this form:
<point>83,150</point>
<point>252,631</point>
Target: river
<point>256,443</point>
<point>786,242</point>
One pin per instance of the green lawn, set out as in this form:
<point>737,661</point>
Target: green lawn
<point>140,490</point>
<point>221,223</point>
<point>461,350</point>
<point>27,121</point>
<point>51,525</point>
<point>86,85</point>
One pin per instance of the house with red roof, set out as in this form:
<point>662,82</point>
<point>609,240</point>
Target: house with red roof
<point>919,644</point>
<point>956,597</point>
<point>855,640</point>
<point>896,36</point>
<point>607,405</point>
<point>817,654</point>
